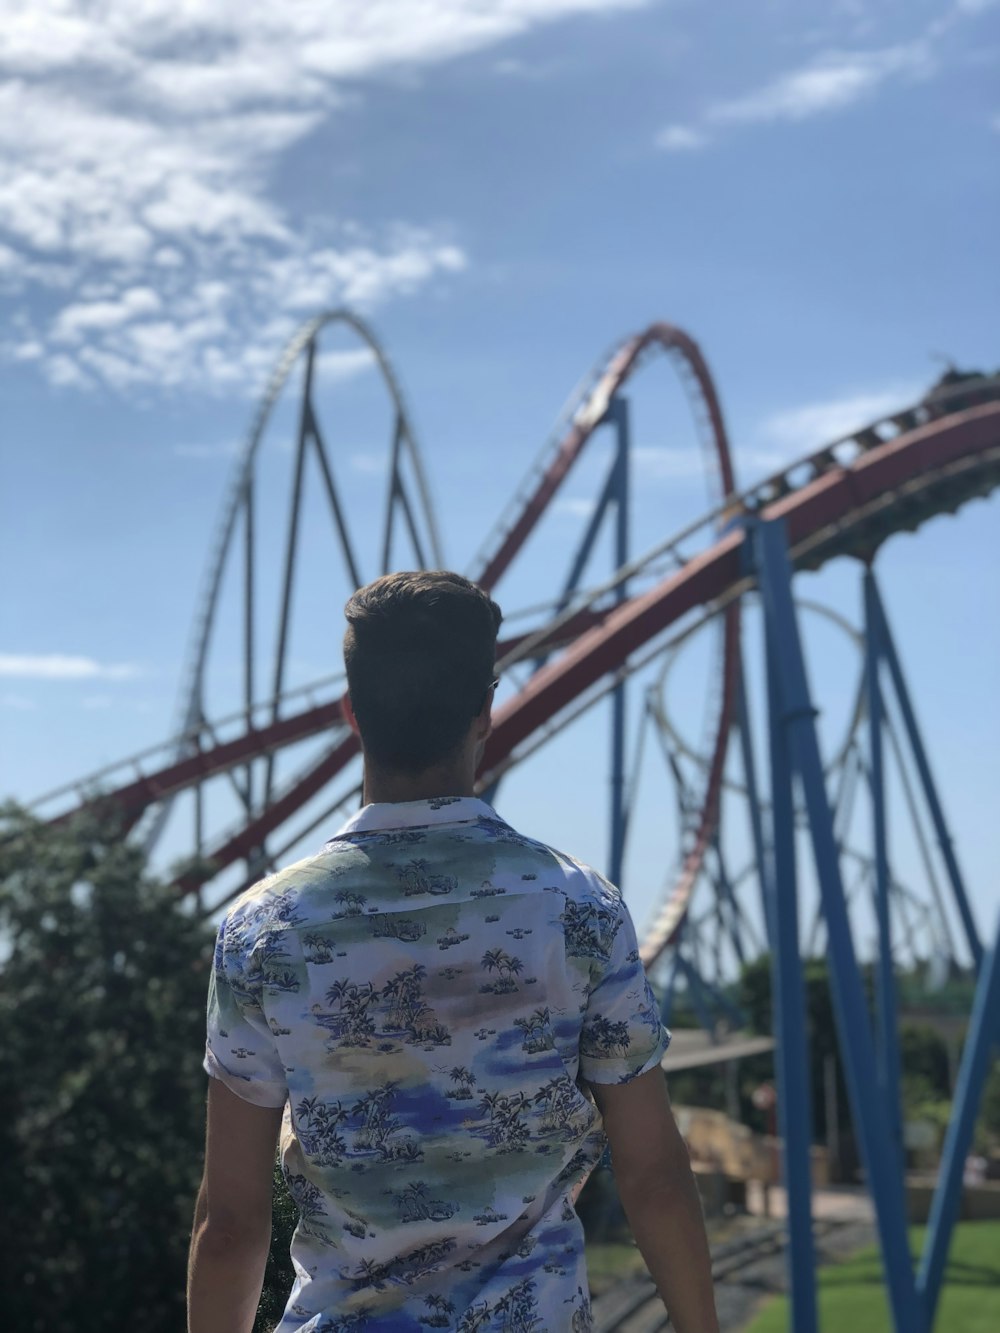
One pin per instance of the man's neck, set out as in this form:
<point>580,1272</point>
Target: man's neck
<point>448,780</point>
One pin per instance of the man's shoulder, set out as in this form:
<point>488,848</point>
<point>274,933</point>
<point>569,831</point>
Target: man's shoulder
<point>579,879</point>
<point>276,898</point>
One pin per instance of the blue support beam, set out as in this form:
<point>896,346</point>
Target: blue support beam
<point>885,991</point>
<point>791,691</point>
<point>761,849</point>
<point>618,415</point>
<point>615,492</point>
<point>788,999</point>
<point>983,1035</point>
<point>888,648</point>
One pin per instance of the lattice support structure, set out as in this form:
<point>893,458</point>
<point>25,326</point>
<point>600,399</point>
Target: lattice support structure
<point>868,1063</point>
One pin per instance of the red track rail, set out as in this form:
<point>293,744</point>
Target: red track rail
<point>671,339</point>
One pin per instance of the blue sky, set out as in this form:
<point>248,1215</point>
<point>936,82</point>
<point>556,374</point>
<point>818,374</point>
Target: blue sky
<point>504,190</point>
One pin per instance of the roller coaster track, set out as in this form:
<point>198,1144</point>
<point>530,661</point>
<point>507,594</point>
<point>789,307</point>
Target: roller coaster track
<point>843,499</point>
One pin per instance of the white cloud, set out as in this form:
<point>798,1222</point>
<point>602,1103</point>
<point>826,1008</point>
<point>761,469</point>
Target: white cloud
<point>76,320</point>
<point>345,365</point>
<point>680,139</point>
<point>28,351</point>
<point>137,145</point>
<point>832,82</point>
<point>795,431</point>
<point>60,666</point>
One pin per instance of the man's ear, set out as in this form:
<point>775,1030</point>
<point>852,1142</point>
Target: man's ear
<point>484,718</point>
<point>349,718</point>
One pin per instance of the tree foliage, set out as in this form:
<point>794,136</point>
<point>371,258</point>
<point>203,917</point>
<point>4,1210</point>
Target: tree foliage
<point>102,999</point>
<point>821,1029</point>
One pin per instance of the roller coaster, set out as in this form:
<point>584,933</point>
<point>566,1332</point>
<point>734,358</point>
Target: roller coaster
<point>285,763</point>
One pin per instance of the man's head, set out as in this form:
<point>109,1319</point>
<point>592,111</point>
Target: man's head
<point>419,651</point>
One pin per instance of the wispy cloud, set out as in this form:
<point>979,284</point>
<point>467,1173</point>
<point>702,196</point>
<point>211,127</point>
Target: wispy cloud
<point>836,80</point>
<point>833,81</point>
<point>345,365</point>
<point>794,431</point>
<point>60,666</point>
<point>137,149</point>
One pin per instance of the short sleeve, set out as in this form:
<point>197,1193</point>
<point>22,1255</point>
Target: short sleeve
<point>240,1050</point>
<point>622,1036</point>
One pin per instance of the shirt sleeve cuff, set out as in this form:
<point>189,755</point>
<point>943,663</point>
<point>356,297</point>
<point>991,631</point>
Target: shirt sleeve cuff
<point>257,1091</point>
<point>624,1070</point>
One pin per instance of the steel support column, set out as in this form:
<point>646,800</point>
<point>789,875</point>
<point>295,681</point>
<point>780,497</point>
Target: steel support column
<point>787,989</point>
<point>618,415</point>
<point>983,1035</point>
<point>888,647</point>
<point>887,1043</point>
<point>853,1024</point>
<point>762,853</point>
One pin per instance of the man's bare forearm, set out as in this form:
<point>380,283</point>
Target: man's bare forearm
<point>664,1212</point>
<point>225,1276</point>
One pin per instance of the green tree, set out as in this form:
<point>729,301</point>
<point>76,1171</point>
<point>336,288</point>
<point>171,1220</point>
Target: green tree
<point>923,1056</point>
<point>102,998</point>
<point>821,1030</point>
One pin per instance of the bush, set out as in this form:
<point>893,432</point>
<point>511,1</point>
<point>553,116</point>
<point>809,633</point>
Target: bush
<point>102,1095</point>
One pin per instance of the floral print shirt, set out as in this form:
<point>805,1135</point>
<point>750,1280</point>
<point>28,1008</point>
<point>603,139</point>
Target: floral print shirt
<point>428,998</point>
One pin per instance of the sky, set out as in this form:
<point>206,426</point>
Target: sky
<point>504,192</point>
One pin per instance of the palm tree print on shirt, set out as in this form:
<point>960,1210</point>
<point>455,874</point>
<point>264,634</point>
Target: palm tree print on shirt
<point>536,1031</point>
<point>350,1025</point>
<point>408,1014</point>
<point>408,1268</point>
<point>466,1080</point>
<point>602,1038</point>
<point>317,1124</point>
<point>474,1318</point>
<point>559,1102</point>
<point>308,1198</point>
<point>517,1310</point>
<point>442,1307</point>
<point>507,1129</point>
<point>317,948</point>
<point>378,1125</point>
<point>416,878</point>
<point>415,1206</point>
<point>498,960</point>
<point>590,930</point>
<point>351,902</point>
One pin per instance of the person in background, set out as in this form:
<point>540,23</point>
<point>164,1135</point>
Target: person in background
<point>445,1022</point>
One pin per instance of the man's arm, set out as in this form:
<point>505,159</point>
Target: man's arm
<point>658,1192</point>
<point>232,1220</point>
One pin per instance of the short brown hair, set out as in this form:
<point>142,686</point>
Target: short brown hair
<point>419,650</point>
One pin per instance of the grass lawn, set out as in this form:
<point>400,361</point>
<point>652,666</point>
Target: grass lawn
<point>851,1295</point>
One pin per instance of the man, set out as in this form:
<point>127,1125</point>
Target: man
<point>443,1018</point>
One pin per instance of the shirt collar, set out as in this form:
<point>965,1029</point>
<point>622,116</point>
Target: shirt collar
<point>417,814</point>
